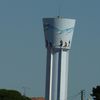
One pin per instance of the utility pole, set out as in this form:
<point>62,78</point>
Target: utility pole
<point>82,94</point>
<point>24,90</point>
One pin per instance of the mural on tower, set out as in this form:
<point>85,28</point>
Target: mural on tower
<point>58,35</point>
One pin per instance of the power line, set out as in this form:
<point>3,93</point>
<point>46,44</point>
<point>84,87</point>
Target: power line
<point>74,96</point>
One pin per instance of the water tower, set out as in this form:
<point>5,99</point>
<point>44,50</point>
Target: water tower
<point>58,38</point>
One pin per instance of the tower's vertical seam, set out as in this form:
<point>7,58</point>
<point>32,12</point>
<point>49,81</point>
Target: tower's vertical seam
<point>59,74</point>
<point>51,68</point>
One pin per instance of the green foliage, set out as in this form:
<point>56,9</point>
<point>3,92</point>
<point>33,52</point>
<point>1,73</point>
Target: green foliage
<point>11,95</point>
<point>96,93</point>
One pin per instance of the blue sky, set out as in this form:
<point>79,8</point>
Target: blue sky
<point>22,47</point>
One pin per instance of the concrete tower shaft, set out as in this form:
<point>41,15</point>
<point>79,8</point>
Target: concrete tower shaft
<point>58,37</point>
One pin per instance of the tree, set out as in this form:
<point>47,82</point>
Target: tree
<point>11,95</point>
<point>96,93</point>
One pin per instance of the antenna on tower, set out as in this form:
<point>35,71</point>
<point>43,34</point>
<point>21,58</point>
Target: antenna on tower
<point>59,8</point>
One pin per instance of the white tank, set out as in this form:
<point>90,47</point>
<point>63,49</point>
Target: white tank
<point>58,37</point>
